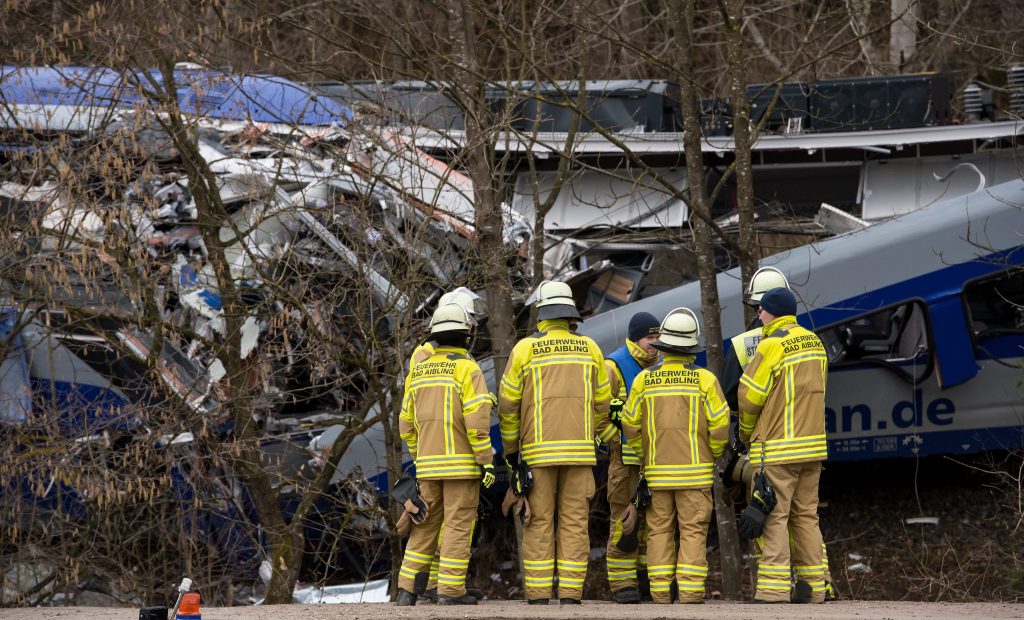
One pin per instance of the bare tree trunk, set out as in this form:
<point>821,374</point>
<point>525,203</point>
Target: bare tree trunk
<point>902,33</point>
<point>732,14</point>
<point>860,22</point>
<point>683,19</point>
<point>393,455</point>
<point>478,155</point>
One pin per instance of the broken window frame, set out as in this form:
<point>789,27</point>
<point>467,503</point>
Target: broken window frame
<point>841,334</point>
<point>1013,276</point>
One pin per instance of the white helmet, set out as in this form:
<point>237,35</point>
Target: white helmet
<point>451,318</point>
<point>764,280</point>
<point>555,301</point>
<point>462,296</point>
<point>679,330</point>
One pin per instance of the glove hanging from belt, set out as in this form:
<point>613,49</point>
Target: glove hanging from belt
<point>520,476</point>
<point>407,492</point>
<point>518,505</point>
<point>762,502</point>
<point>626,529</point>
<point>642,494</point>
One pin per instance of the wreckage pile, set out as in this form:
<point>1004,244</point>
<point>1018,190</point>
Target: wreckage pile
<point>342,225</point>
<point>339,241</point>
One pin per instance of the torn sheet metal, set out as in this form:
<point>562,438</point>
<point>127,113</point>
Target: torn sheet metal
<point>591,200</point>
<point>436,189</point>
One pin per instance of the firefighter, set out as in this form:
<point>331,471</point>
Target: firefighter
<point>736,359</point>
<point>781,401</point>
<point>468,300</point>
<point>677,421</point>
<point>553,402</point>
<point>627,569</point>
<point>445,420</point>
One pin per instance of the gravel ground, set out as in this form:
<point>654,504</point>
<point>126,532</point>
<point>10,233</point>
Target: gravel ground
<point>858,610</point>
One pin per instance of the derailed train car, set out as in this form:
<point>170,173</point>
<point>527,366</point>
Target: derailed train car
<point>923,319</point>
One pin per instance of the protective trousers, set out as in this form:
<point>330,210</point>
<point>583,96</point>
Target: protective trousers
<point>452,503</point>
<point>759,548</point>
<point>559,540</point>
<point>690,510</point>
<point>795,515</point>
<point>622,480</point>
<point>435,564</point>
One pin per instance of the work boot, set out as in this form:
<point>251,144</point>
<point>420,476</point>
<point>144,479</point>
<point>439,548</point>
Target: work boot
<point>429,596</point>
<point>419,583</point>
<point>405,598</point>
<point>643,583</point>
<point>801,593</point>
<point>831,592</point>
<point>476,593</point>
<point>538,601</point>
<point>627,595</point>
<point>465,599</point>
<point>569,601</point>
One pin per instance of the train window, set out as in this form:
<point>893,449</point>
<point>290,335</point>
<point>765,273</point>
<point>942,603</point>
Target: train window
<point>996,305</point>
<point>895,337</point>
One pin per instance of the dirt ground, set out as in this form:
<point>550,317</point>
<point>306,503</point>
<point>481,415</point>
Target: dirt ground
<point>591,609</point>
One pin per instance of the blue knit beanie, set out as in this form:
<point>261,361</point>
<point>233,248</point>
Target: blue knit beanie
<point>643,324</point>
<point>779,302</point>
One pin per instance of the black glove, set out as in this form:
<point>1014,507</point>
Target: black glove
<point>511,461</point>
<point>642,495</point>
<point>488,477</point>
<point>520,476</point>
<point>751,521</point>
<point>615,412</point>
<point>762,494</point>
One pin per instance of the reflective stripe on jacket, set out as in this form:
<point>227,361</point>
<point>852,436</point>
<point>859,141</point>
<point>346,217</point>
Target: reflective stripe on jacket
<point>678,422</point>
<point>782,396</point>
<point>446,415</point>
<point>554,397</point>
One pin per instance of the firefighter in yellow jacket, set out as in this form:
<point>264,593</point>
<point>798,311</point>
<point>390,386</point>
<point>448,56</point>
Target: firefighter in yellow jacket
<point>782,417</point>
<point>627,570</point>
<point>468,300</point>
<point>737,357</point>
<point>677,421</point>
<point>445,420</point>
<point>553,401</point>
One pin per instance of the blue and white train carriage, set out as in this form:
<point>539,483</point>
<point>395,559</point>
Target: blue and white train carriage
<point>923,319</point>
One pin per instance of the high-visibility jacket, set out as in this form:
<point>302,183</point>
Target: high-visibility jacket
<point>446,416</point>
<point>745,344</point>
<point>678,422</point>
<point>735,359</point>
<point>624,365</point>
<point>782,396</point>
<point>422,352</point>
<point>554,398</point>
